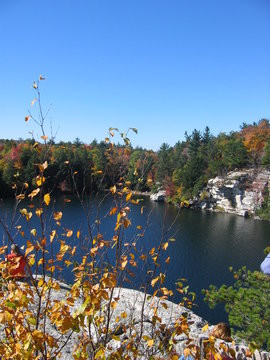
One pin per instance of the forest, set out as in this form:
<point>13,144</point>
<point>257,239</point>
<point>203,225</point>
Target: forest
<point>182,170</point>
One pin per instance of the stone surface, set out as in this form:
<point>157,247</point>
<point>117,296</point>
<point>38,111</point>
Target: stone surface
<point>160,196</point>
<point>131,302</point>
<point>240,192</point>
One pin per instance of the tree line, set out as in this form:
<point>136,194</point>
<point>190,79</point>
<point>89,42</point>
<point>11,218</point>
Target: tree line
<point>182,170</point>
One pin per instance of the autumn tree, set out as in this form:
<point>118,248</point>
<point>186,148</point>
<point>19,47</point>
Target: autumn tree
<point>254,139</point>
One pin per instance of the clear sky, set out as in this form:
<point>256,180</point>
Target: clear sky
<point>160,66</point>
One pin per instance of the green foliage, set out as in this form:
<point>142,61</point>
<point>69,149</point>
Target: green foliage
<point>164,163</point>
<point>247,304</point>
<point>264,211</point>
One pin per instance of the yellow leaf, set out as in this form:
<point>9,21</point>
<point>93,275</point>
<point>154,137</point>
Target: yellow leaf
<point>123,315</point>
<point>153,282</point>
<point>31,261</point>
<point>39,212</point>
<point>150,342</point>
<point>33,101</point>
<point>55,286</point>
<point>40,283</point>
<point>34,232</point>
<point>40,180</point>
<point>205,327</point>
<point>68,263</point>
<point>218,357</point>
<point>57,215</point>
<point>47,199</point>
<point>78,234</point>
<point>113,304</point>
<point>99,353</point>
<point>113,189</point>
<point>164,246</point>
<point>69,233</point>
<point>52,235</point>
<point>44,137</point>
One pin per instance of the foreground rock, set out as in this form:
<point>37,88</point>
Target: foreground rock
<point>128,315</point>
<point>240,192</point>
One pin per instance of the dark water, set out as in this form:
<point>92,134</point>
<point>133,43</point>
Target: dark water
<point>205,245</point>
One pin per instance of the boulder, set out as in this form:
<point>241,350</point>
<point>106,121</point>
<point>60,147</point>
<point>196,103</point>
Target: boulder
<point>160,196</point>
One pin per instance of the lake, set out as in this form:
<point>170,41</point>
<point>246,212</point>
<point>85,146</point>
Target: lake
<point>206,244</point>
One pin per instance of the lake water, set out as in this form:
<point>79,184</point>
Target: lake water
<point>206,244</point>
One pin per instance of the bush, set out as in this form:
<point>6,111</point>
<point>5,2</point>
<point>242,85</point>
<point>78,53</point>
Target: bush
<point>37,325</point>
<point>247,304</point>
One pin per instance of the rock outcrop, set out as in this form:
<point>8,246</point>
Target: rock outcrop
<point>134,310</point>
<point>240,192</point>
<point>160,196</point>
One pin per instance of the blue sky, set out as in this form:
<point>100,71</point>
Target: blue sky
<point>160,66</point>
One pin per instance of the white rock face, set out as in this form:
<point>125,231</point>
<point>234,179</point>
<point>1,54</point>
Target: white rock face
<point>160,196</point>
<point>240,192</point>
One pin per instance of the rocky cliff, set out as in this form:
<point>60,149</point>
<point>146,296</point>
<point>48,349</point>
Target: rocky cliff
<point>240,192</point>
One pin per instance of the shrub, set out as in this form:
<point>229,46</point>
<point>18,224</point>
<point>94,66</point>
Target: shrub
<point>247,303</point>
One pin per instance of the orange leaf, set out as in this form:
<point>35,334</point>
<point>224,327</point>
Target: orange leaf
<point>113,211</point>
<point>20,197</point>
<point>34,193</point>
<point>128,196</point>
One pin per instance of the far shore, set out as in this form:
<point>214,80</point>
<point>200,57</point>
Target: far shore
<point>141,193</point>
